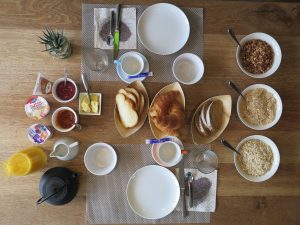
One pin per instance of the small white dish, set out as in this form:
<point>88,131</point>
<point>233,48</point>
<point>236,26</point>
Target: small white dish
<point>124,77</point>
<point>153,192</point>
<point>54,88</point>
<point>278,107</point>
<point>155,149</point>
<point>274,45</point>
<point>81,95</point>
<point>54,119</point>
<point>275,164</point>
<point>188,68</point>
<point>100,159</point>
<point>163,28</point>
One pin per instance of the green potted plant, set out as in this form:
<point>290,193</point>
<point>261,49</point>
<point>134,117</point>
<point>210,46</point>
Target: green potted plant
<point>56,43</point>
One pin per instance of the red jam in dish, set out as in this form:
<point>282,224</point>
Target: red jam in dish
<point>65,119</point>
<point>65,92</point>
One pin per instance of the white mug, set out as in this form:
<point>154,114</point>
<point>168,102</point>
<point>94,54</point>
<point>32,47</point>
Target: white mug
<point>169,153</point>
<point>131,63</point>
<point>65,149</point>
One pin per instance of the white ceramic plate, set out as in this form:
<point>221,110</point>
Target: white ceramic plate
<point>276,49</point>
<point>163,28</point>
<point>124,76</point>
<point>276,159</point>
<point>155,147</point>
<point>153,192</point>
<point>100,159</point>
<point>278,106</point>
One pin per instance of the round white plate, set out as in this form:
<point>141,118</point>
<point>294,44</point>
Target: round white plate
<point>153,192</point>
<point>124,76</point>
<point>278,106</point>
<point>155,147</point>
<point>100,159</point>
<point>276,159</point>
<point>163,28</point>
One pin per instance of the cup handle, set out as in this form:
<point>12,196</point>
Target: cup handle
<point>73,144</point>
<point>116,61</point>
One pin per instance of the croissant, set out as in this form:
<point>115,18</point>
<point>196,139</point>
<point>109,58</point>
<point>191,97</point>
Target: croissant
<point>167,113</point>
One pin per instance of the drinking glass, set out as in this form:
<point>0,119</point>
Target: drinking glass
<point>96,59</point>
<point>205,161</point>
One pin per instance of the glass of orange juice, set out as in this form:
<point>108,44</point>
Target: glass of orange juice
<point>25,161</point>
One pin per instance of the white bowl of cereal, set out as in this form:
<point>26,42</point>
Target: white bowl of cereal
<point>259,159</point>
<point>262,108</point>
<point>260,55</point>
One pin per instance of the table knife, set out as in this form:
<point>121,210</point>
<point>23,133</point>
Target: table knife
<point>182,186</point>
<point>117,32</point>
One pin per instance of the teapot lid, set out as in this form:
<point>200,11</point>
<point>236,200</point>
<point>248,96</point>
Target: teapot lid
<point>61,181</point>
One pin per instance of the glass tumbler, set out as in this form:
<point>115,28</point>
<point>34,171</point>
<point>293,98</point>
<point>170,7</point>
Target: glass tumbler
<point>205,161</point>
<point>96,59</point>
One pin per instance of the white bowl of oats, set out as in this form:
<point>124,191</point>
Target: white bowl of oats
<point>259,159</point>
<point>260,55</point>
<point>262,108</point>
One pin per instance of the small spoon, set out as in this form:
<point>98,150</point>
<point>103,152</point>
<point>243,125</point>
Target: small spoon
<point>77,125</point>
<point>234,87</point>
<point>65,78</point>
<point>190,179</point>
<point>232,35</point>
<point>110,37</point>
<point>226,144</point>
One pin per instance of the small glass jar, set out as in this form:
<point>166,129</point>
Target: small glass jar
<point>205,161</point>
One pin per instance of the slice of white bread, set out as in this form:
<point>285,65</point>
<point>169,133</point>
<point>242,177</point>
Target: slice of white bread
<point>199,125</point>
<point>142,104</point>
<point>128,115</point>
<point>202,118</point>
<point>128,95</point>
<point>134,92</point>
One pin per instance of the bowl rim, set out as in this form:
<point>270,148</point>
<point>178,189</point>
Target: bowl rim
<point>275,47</point>
<point>189,55</point>
<point>107,146</point>
<point>54,116</point>
<point>276,159</point>
<point>55,96</point>
<point>279,106</point>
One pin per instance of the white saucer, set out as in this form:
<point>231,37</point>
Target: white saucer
<point>124,76</point>
<point>154,150</point>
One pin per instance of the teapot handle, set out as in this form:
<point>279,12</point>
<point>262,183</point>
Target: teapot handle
<point>42,199</point>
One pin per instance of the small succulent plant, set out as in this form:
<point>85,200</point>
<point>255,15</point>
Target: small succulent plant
<point>56,43</point>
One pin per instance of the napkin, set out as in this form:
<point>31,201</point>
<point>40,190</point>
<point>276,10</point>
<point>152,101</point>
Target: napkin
<point>127,28</point>
<point>206,201</point>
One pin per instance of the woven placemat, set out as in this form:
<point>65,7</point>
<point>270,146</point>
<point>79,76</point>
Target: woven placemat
<point>106,201</point>
<point>161,66</point>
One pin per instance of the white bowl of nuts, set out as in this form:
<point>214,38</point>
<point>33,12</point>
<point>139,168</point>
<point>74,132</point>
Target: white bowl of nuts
<point>260,55</point>
<point>259,158</point>
<point>262,108</point>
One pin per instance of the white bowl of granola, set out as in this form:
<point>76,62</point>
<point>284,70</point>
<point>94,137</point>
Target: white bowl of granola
<point>260,55</point>
<point>262,108</point>
<point>259,159</point>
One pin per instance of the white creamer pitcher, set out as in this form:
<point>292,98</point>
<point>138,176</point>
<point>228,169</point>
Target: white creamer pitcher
<point>65,149</point>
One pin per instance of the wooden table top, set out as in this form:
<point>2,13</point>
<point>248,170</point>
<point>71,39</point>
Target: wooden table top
<point>276,201</point>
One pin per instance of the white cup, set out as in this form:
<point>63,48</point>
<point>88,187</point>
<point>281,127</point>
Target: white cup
<point>131,63</point>
<point>54,119</point>
<point>169,153</point>
<point>188,68</point>
<point>65,149</point>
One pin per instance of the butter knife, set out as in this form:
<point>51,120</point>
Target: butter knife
<point>117,32</point>
<point>86,86</point>
<point>182,186</point>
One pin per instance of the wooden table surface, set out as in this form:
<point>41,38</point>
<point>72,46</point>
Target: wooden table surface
<point>276,201</point>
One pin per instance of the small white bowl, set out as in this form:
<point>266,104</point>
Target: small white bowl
<point>276,159</point>
<point>55,94</point>
<point>100,159</point>
<point>54,115</point>
<point>278,106</point>
<point>81,95</point>
<point>276,49</point>
<point>188,68</point>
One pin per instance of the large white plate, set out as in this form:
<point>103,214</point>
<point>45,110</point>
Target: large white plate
<point>153,192</point>
<point>163,28</point>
